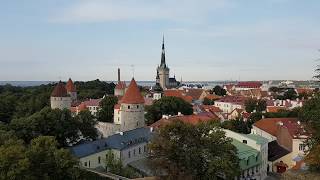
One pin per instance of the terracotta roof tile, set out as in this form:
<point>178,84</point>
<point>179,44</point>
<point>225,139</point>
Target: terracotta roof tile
<point>270,125</point>
<point>70,86</point>
<point>92,102</point>
<point>133,94</point>
<point>59,91</point>
<point>121,85</point>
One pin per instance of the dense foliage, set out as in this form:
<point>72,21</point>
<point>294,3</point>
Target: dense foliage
<point>218,90</point>
<point>255,105</point>
<point>310,114</point>
<point>106,111</point>
<point>94,89</point>
<point>193,152</point>
<point>207,101</point>
<point>18,102</point>
<point>58,123</point>
<point>289,94</point>
<point>167,106</point>
<point>42,159</point>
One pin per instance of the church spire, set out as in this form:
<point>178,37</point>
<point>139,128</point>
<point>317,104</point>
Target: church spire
<point>163,56</point>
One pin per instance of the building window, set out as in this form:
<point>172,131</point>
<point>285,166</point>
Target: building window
<point>129,154</point>
<point>128,107</point>
<point>144,148</point>
<point>301,147</point>
<point>245,141</point>
<point>137,106</point>
<point>247,162</point>
<point>85,164</point>
<point>99,159</point>
<point>139,150</point>
<point>89,163</point>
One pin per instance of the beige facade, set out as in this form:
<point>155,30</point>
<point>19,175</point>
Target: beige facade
<point>131,116</point>
<point>60,102</point>
<point>164,77</point>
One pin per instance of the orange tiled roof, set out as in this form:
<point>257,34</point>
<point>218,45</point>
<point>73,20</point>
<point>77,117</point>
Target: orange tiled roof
<point>59,91</point>
<point>270,125</point>
<point>213,97</point>
<point>133,94</point>
<point>178,93</point>
<point>193,119</point>
<point>274,109</point>
<point>70,86</point>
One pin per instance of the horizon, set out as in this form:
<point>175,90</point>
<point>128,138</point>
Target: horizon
<point>211,40</point>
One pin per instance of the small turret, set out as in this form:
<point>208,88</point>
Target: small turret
<point>60,99</point>
<point>71,90</point>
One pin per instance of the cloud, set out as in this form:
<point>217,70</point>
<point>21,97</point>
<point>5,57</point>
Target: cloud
<point>85,11</point>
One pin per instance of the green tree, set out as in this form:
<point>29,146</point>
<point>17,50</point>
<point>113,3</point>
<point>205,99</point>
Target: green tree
<point>49,162</point>
<point>106,111</point>
<point>289,94</point>
<point>86,125</point>
<point>167,106</point>
<point>53,122</point>
<point>261,105</point>
<point>94,89</point>
<point>250,105</point>
<point>207,101</point>
<point>218,90</point>
<point>238,125</point>
<point>193,152</point>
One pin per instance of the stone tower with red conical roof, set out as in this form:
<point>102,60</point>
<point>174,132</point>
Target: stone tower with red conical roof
<point>71,90</point>
<point>60,99</point>
<point>131,108</point>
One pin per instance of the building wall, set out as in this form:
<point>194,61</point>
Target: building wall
<point>117,116</point>
<point>227,107</point>
<point>119,92</point>
<point>132,116</point>
<point>157,96</point>
<point>284,138</point>
<point>60,102</point>
<point>107,129</point>
<point>135,154</point>
<point>93,159</point>
<point>73,95</point>
<point>164,77</point>
<point>256,130</point>
<point>93,110</point>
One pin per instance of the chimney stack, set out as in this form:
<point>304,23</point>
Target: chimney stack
<point>118,74</point>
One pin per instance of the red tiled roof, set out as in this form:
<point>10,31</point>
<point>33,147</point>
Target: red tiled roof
<point>133,94</point>
<point>270,125</point>
<point>211,108</point>
<point>121,85</point>
<point>194,93</point>
<point>193,119</point>
<point>178,93</point>
<point>213,97</point>
<point>304,90</point>
<point>82,107</point>
<point>59,91</point>
<point>233,99</point>
<point>70,86</point>
<point>274,109</point>
<point>249,84</point>
<point>92,102</point>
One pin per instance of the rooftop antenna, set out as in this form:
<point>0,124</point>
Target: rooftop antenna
<point>132,68</point>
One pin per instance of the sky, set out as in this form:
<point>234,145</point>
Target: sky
<point>205,40</point>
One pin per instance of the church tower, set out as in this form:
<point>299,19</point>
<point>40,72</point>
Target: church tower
<point>163,70</point>
<point>60,99</point>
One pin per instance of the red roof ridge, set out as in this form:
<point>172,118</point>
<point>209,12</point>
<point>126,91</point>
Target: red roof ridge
<point>133,94</point>
<point>70,86</point>
<point>59,91</point>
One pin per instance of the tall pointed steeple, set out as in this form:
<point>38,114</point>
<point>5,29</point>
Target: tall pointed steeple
<point>163,56</point>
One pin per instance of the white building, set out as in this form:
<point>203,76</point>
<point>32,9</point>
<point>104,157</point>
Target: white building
<point>126,146</point>
<point>229,103</point>
<point>253,154</point>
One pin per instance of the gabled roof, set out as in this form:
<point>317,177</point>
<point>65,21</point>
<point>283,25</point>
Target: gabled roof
<point>178,93</point>
<point>249,84</point>
<point>116,141</point>
<point>59,91</point>
<point>70,86</point>
<point>194,93</point>
<point>275,151</point>
<point>270,125</point>
<point>92,102</point>
<point>133,94</point>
